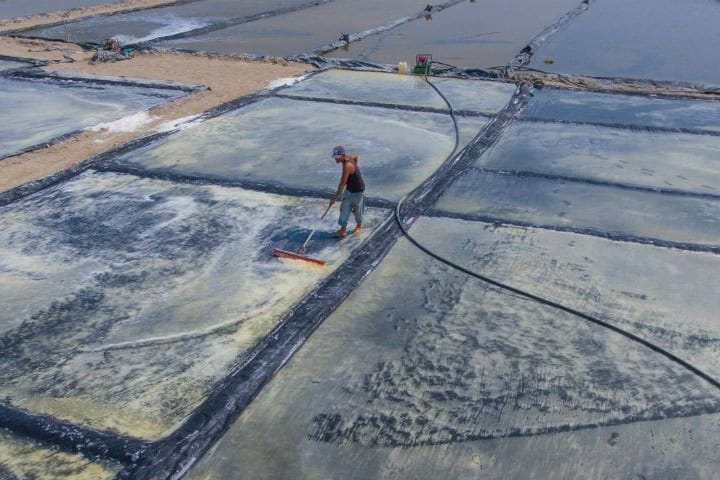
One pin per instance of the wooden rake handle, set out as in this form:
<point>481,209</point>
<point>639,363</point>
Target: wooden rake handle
<point>302,248</point>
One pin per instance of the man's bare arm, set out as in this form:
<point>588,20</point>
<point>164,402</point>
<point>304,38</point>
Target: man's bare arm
<point>343,180</point>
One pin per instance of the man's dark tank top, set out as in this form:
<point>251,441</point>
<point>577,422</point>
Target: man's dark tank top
<point>355,182</point>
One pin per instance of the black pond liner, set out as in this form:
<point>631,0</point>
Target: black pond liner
<point>269,186</point>
<point>592,181</point>
<point>629,86</point>
<point>649,83</point>
<point>55,78</point>
<point>30,188</point>
<point>391,106</point>
<point>70,437</point>
<point>175,454</point>
<point>314,57</point>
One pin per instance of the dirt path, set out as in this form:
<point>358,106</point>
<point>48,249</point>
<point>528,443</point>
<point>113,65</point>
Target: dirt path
<point>615,86</point>
<point>227,77</point>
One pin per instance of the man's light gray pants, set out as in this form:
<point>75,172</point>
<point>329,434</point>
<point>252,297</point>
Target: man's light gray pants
<point>351,202</point>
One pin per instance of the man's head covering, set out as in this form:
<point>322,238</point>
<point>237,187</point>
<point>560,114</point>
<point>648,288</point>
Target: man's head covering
<point>339,150</point>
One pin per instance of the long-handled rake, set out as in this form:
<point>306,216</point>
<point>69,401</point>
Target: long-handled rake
<point>300,254</point>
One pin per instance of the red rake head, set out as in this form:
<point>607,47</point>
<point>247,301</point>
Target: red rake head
<point>296,256</point>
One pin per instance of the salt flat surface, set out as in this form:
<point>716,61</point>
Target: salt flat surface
<point>129,298</point>
<point>425,373</point>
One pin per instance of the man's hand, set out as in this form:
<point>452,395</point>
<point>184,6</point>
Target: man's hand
<point>335,198</point>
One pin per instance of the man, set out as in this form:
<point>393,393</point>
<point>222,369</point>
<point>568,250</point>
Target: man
<point>351,189</point>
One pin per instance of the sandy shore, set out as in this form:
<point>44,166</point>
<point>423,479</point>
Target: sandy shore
<point>31,21</point>
<point>227,77</point>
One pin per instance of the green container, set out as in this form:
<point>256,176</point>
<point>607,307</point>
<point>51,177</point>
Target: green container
<point>423,64</point>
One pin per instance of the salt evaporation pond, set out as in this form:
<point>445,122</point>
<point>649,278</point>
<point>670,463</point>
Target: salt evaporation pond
<point>633,182</point>
<point>127,299</point>
<point>11,65</point>
<point>437,376</point>
<point>626,110</point>
<point>67,106</point>
<point>149,24</point>
<point>398,149</point>
<point>486,98</point>
<point>302,31</point>
<point>469,34</point>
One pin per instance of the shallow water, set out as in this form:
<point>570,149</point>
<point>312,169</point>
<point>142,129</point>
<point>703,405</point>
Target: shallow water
<point>66,107</point>
<point>471,34</point>
<point>152,23</point>
<point>423,373</point>
<point>302,31</point>
<point>288,143</point>
<point>646,39</point>
<point>22,8</point>
<point>129,298</point>
<point>23,459</point>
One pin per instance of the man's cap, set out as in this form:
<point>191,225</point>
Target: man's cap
<point>339,150</point>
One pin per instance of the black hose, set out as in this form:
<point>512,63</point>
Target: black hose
<point>585,316</point>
